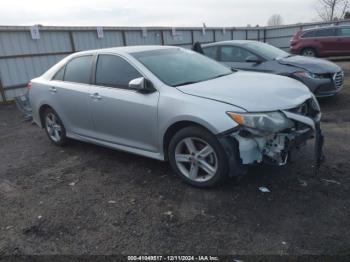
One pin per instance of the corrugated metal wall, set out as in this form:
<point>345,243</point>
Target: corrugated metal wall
<point>22,58</point>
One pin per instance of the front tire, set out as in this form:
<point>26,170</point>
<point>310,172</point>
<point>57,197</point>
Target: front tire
<point>54,127</point>
<point>308,51</point>
<point>197,157</point>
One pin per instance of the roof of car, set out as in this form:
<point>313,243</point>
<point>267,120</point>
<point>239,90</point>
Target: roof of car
<point>127,49</point>
<point>230,42</point>
<point>324,27</point>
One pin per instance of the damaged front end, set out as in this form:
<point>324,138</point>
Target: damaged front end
<point>270,137</point>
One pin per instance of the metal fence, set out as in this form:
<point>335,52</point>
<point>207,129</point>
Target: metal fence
<point>23,58</point>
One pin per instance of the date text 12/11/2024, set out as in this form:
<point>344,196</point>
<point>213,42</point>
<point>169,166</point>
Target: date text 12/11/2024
<point>173,258</point>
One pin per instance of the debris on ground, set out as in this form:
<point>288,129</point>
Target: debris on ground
<point>264,189</point>
<point>303,183</point>
<point>73,183</point>
<point>331,181</point>
<point>168,213</point>
<point>34,229</point>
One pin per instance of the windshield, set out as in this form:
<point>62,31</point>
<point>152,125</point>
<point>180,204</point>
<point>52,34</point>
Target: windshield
<point>176,67</point>
<point>268,51</point>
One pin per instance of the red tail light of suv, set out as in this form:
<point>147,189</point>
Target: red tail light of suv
<point>322,41</point>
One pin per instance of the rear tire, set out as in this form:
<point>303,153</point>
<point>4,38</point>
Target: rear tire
<point>308,51</point>
<point>197,157</point>
<point>54,127</point>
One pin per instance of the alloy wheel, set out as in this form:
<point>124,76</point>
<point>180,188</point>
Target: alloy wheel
<point>53,127</point>
<point>196,159</point>
<point>309,52</point>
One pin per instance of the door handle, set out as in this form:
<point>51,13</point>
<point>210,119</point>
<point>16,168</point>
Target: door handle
<point>96,96</point>
<point>53,89</point>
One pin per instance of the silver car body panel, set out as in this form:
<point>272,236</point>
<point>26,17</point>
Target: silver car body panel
<point>137,123</point>
<point>255,92</point>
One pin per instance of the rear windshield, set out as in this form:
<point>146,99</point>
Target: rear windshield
<point>177,66</point>
<point>344,31</point>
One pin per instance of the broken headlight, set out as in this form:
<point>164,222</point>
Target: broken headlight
<point>271,122</point>
<point>314,103</point>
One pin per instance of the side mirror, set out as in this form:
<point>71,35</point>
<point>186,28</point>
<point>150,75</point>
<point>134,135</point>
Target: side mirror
<point>138,84</point>
<point>142,85</point>
<point>253,59</point>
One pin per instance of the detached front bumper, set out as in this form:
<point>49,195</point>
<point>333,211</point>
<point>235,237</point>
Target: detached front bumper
<point>245,148</point>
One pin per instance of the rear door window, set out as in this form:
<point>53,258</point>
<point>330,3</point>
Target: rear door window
<point>344,31</point>
<point>326,32</point>
<point>78,70</point>
<point>114,71</point>
<point>211,52</point>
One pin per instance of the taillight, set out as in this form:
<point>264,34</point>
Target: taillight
<point>29,85</point>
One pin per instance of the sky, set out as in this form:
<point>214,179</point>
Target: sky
<point>222,13</point>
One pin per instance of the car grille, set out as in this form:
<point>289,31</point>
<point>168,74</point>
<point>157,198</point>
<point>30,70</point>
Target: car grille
<point>338,79</point>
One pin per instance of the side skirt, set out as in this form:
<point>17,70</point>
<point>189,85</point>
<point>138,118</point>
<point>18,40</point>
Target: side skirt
<point>127,149</point>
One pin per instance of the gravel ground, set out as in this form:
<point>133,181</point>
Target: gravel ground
<point>85,199</point>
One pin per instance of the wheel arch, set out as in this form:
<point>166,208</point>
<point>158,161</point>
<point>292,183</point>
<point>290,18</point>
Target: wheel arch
<point>42,109</point>
<point>173,129</point>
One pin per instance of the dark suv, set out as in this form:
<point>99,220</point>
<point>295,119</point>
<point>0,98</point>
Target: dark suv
<point>322,41</point>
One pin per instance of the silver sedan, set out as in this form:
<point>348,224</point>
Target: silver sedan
<point>169,103</point>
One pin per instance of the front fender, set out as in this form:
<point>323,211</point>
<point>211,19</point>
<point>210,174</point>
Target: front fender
<point>204,112</point>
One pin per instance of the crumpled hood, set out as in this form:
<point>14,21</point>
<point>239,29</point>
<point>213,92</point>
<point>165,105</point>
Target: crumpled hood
<point>254,92</point>
<point>311,64</point>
